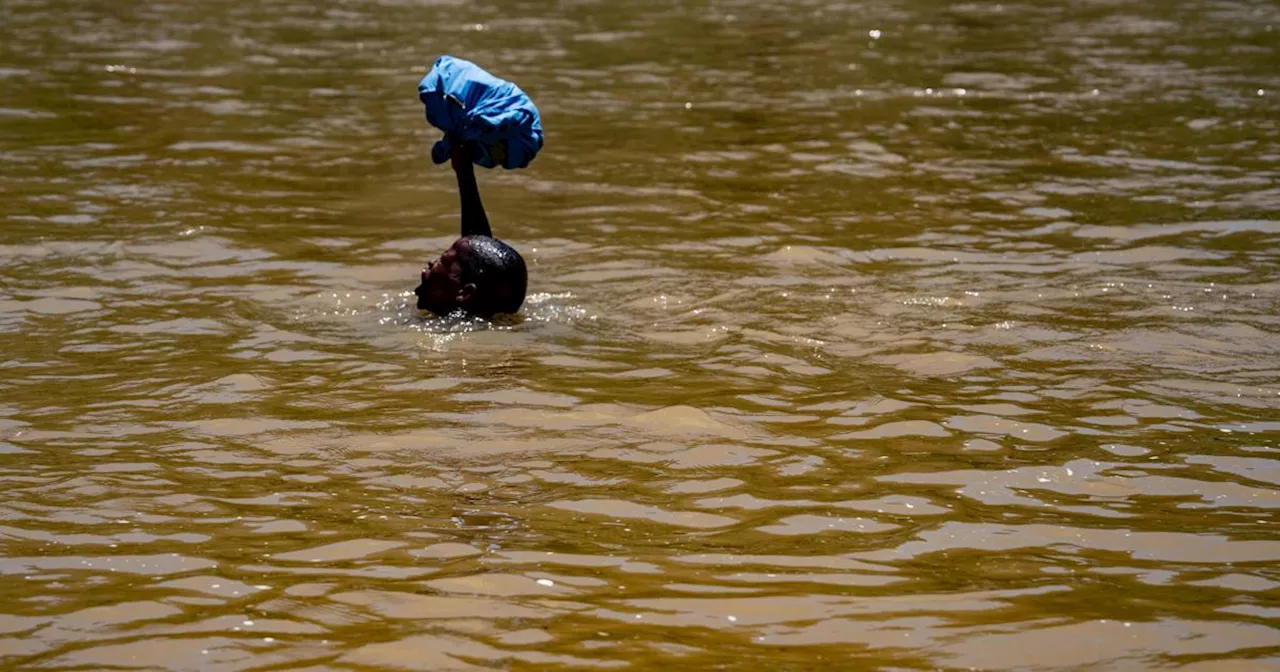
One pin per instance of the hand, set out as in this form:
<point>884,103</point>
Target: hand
<point>460,157</point>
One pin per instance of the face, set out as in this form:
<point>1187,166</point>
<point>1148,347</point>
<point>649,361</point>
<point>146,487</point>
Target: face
<point>442,290</point>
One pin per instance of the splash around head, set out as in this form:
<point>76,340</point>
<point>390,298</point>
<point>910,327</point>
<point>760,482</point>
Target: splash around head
<point>478,275</point>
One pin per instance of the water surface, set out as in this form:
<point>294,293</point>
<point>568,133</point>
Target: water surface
<point>889,335</point>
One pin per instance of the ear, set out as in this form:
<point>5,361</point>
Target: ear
<point>467,294</point>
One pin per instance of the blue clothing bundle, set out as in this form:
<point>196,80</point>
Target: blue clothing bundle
<point>492,117</point>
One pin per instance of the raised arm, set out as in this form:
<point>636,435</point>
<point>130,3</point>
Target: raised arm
<point>474,221</point>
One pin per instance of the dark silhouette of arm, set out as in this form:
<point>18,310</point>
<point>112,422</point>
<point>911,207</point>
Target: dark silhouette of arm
<point>474,221</point>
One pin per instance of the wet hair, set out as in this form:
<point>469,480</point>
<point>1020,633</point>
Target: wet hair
<point>498,272</point>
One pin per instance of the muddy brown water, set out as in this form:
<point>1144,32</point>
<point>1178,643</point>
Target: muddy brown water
<point>880,335</point>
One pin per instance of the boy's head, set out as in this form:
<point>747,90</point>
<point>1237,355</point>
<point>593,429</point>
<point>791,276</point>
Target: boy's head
<point>478,274</point>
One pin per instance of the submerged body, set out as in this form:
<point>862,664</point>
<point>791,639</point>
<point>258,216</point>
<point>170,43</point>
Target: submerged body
<point>479,274</point>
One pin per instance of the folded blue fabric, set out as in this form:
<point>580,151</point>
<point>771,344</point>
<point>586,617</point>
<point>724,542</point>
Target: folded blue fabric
<point>492,117</point>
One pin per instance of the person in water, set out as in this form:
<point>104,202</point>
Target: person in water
<point>478,275</point>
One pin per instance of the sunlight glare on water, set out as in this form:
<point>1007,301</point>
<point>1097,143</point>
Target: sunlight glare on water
<point>901,335</point>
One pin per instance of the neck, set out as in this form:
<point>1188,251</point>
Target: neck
<point>474,221</point>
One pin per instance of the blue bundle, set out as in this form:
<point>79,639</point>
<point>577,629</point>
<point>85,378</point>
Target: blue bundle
<point>492,117</point>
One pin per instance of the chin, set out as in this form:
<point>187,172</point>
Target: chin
<point>437,309</point>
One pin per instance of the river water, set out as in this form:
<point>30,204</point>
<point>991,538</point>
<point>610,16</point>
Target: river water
<point>894,335</point>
